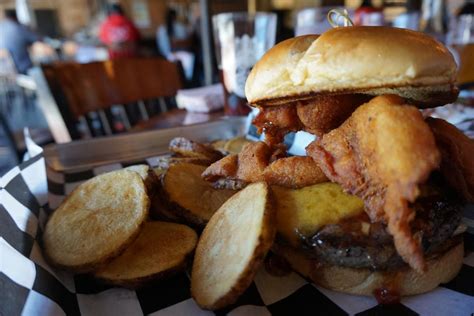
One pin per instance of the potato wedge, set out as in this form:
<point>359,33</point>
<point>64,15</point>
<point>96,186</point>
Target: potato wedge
<point>188,148</point>
<point>166,162</point>
<point>159,172</point>
<point>160,250</point>
<point>219,145</point>
<point>230,184</point>
<point>232,247</point>
<point>310,208</point>
<point>159,210</point>
<point>142,170</point>
<point>230,146</point>
<point>158,207</point>
<point>235,145</point>
<point>189,196</point>
<point>97,221</point>
<point>148,175</point>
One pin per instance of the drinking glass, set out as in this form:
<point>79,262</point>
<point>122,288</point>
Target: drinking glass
<point>462,40</point>
<point>240,39</point>
<point>313,20</point>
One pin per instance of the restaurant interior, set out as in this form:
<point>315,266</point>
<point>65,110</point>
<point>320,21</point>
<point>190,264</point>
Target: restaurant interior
<point>242,157</point>
<point>66,57</point>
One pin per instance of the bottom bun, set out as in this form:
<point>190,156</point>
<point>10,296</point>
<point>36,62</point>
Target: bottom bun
<point>440,269</point>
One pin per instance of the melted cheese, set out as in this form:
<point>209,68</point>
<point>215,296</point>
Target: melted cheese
<point>308,209</point>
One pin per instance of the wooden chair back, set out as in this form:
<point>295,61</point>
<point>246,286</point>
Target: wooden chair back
<point>146,86</point>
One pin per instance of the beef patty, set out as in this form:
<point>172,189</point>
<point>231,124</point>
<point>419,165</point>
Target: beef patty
<point>357,243</point>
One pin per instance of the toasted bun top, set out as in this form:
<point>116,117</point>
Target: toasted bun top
<point>351,59</point>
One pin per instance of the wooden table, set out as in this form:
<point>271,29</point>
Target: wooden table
<point>175,118</point>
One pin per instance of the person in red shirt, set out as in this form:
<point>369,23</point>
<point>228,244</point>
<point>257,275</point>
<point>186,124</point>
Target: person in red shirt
<point>119,34</point>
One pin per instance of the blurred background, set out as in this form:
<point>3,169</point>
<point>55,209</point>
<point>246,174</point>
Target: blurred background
<point>44,33</point>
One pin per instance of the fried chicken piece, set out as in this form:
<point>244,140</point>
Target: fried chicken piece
<point>224,168</point>
<point>326,112</point>
<point>284,117</point>
<point>276,122</point>
<point>457,152</point>
<point>278,151</point>
<point>382,153</point>
<point>247,166</point>
<point>317,115</point>
<point>254,164</point>
<point>294,172</point>
<point>253,159</point>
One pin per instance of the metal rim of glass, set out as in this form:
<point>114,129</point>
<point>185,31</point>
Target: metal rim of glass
<point>242,15</point>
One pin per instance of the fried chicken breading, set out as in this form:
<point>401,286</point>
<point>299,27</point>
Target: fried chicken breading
<point>247,166</point>
<point>294,172</point>
<point>276,122</point>
<point>382,153</point>
<point>254,164</point>
<point>317,115</point>
<point>252,161</point>
<point>326,112</point>
<point>457,152</point>
<point>224,168</point>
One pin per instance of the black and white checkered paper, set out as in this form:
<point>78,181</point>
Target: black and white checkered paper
<point>30,286</point>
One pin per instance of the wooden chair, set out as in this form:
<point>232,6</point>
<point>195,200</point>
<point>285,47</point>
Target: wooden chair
<point>105,98</point>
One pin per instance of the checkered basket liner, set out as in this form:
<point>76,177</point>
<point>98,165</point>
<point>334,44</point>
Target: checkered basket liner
<point>30,286</point>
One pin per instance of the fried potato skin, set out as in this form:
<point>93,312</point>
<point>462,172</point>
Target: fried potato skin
<point>457,150</point>
<point>233,246</point>
<point>166,162</point>
<point>86,231</point>
<point>161,250</point>
<point>186,195</point>
<point>188,148</point>
<point>382,153</point>
<point>229,184</point>
<point>230,146</point>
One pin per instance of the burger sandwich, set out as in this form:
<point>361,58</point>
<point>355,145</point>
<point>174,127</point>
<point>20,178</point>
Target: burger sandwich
<point>375,205</point>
